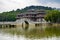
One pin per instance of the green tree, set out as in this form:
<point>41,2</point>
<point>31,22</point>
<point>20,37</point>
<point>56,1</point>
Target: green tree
<point>53,16</point>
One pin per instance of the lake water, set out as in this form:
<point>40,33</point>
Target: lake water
<point>33,34</point>
<point>9,37</point>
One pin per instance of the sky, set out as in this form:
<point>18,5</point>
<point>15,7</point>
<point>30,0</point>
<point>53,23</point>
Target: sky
<point>8,5</point>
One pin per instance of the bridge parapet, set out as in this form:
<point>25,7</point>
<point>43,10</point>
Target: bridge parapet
<point>12,23</point>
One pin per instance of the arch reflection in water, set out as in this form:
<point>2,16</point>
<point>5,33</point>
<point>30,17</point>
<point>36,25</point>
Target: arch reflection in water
<point>25,25</point>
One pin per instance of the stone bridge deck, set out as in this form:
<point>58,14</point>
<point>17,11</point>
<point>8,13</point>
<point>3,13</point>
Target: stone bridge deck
<point>11,23</point>
<point>14,23</point>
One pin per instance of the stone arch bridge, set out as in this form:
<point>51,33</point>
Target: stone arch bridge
<point>24,23</point>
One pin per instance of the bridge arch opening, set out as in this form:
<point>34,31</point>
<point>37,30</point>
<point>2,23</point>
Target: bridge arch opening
<point>25,25</point>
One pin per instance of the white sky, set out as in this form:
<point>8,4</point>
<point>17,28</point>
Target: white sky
<point>8,5</point>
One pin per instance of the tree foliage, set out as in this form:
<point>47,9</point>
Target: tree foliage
<point>11,15</point>
<point>53,16</point>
